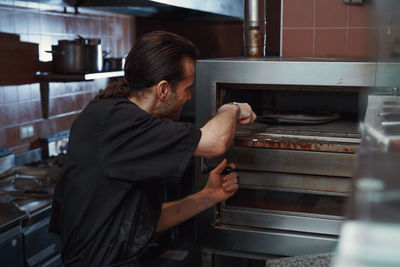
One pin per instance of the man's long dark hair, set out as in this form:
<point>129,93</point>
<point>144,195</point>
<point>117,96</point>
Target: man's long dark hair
<point>156,56</point>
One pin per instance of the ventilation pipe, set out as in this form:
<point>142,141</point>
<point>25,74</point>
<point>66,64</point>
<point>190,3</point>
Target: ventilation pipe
<point>254,27</point>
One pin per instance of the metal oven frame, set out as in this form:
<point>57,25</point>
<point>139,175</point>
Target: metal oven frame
<point>287,237</point>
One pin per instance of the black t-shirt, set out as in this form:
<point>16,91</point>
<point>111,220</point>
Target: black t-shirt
<point>108,197</point>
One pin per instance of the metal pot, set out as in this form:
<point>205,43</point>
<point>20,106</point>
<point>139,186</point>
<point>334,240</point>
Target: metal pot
<point>77,56</point>
<point>113,63</point>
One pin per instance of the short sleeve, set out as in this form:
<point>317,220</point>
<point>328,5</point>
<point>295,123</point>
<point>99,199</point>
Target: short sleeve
<point>137,146</point>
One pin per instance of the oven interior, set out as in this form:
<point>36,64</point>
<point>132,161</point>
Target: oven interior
<point>349,102</point>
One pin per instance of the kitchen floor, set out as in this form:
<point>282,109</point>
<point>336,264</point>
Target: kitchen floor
<point>181,254</point>
<point>186,254</point>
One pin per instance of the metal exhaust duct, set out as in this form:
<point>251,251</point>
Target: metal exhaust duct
<point>254,27</point>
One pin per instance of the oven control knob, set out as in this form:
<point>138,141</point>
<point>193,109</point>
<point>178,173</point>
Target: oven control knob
<point>227,170</point>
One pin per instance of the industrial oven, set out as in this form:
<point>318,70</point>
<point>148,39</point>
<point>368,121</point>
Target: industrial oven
<point>294,173</point>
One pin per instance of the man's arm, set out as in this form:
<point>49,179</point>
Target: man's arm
<point>218,188</point>
<point>218,133</point>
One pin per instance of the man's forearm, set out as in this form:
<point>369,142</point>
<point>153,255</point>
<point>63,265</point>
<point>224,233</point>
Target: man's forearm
<point>218,133</point>
<point>173,213</point>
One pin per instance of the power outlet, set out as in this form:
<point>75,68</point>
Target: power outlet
<point>26,131</point>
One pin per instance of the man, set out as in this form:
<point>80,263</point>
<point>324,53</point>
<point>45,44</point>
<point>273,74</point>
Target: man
<point>124,144</point>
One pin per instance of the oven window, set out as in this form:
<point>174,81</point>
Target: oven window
<point>349,102</point>
<point>288,201</point>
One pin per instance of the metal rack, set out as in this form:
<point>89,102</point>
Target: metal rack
<point>45,78</point>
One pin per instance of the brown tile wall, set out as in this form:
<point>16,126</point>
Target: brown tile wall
<point>27,30</point>
<point>328,28</point>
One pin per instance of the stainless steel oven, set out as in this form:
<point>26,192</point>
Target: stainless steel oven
<point>294,176</point>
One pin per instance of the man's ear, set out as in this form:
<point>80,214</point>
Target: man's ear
<point>163,89</point>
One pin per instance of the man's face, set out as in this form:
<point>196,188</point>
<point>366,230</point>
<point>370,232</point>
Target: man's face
<point>173,105</point>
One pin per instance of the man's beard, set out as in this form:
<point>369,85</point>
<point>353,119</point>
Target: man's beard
<point>169,108</point>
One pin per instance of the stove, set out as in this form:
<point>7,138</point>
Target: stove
<point>25,201</point>
<point>28,188</point>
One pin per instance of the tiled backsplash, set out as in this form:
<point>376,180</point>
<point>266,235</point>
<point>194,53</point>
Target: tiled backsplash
<point>328,28</point>
<point>27,31</point>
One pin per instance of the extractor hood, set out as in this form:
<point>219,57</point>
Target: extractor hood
<point>179,9</point>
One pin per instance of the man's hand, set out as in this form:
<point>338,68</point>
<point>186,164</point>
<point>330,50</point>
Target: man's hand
<point>245,113</point>
<point>218,188</point>
<point>246,116</point>
<point>221,187</point>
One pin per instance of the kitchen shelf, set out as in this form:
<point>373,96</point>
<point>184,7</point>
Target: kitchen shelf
<point>45,78</point>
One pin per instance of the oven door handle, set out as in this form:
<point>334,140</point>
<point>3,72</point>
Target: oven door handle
<point>207,168</point>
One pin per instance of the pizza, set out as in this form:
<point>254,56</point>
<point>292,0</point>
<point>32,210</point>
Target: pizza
<point>304,117</point>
